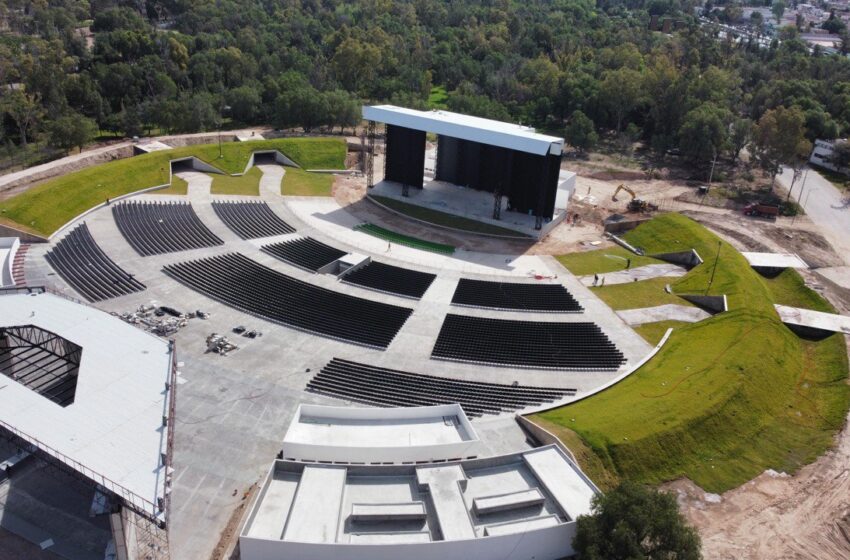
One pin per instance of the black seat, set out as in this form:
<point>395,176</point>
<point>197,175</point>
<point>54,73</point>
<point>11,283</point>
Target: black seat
<point>387,387</point>
<point>531,344</point>
<point>244,284</point>
<point>84,265</point>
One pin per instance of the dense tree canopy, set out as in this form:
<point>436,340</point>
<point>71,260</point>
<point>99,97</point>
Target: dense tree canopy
<point>635,523</point>
<point>184,65</point>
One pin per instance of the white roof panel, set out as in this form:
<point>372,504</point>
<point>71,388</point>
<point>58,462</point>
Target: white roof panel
<point>114,426</point>
<point>466,127</point>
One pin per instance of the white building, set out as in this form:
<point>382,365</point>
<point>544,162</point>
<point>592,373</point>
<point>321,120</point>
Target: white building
<point>822,155</point>
<point>520,506</point>
<point>380,435</point>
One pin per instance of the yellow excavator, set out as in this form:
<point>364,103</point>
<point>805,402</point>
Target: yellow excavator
<point>635,204</point>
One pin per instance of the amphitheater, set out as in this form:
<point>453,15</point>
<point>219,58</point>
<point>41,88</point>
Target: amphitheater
<point>340,318</point>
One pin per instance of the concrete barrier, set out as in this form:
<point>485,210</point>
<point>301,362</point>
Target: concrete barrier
<point>688,259</point>
<point>26,237</point>
<point>717,304</point>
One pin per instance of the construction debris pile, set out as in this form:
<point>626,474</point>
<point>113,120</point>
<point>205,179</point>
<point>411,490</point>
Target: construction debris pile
<point>161,321</point>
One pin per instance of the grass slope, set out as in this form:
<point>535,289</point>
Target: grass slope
<point>726,398</point>
<point>407,240</point>
<point>46,207</point>
<point>445,219</point>
<point>246,185</point>
<point>178,186</point>
<point>634,295</point>
<point>653,332</point>
<point>603,260</point>
<point>297,182</point>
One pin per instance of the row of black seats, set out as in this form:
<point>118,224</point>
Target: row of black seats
<point>84,265</point>
<point>154,228</point>
<point>532,344</point>
<point>251,220</point>
<point>515,296</point>
<point>391,279</point>
<point>387,387</point>
<point>244,284</point>
<point>304,252</point>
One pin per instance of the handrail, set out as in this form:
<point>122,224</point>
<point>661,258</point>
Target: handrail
<point>130,498</point>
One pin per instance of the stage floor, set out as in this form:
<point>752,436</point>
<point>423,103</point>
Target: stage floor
<point>465,202</point>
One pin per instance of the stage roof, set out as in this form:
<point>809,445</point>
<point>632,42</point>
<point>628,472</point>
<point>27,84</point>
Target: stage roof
<point>114,426</point>
<point>466,127</point>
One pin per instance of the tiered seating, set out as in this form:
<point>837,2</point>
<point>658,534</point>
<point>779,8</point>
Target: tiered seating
<point>153,228</point>
<point>388,387</point>
<point>305,252</point>
<point>251,220</point>
<point>239,282</point>
<point>391,279</point>
<point>575,346</point>
<point>515,296</point>
<point>84,265</point>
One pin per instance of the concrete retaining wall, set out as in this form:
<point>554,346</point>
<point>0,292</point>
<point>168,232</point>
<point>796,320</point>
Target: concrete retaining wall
<point>543,436</point>
<point>623,226</point>
<point>9,231</point>
<point>717,304</point>
<point>689,259</point>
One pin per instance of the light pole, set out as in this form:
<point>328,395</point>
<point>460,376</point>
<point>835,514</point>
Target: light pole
<point>220,123</point>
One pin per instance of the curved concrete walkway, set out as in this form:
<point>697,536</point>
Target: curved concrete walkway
<point>645,272</point>
<point>668,312</point>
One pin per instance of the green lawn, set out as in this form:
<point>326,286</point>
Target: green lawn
<point>447,220</point>
<point>402,239</point>
<point>297,182</point>
<point>438,98</point>
<point>178,186</point>
<point>653,332</point>
<point>46,207</point>
<point>245,185</point>
<point>634,295</point>
<point>603,260</point>
<point>726,398</point>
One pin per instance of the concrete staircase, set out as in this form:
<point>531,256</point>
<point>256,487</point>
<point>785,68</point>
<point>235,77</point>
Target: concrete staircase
<point>18,265</point>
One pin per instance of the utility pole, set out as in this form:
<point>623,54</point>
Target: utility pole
<point>714,270</point>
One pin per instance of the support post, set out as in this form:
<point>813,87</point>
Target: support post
<point>370,154</point>
<point>497,204</point>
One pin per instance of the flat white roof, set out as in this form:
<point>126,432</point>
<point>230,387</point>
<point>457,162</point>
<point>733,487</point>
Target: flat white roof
<point>114,426</point>
<point>365,434</point>
<point>314,503</point>
<point>775,260</point>
<point>466,127</point>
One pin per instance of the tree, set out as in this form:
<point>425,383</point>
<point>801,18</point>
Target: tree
<point>779,139</point>
<point>304,107</point>
<point>581,132</point>
<point>633,522</point>
<point>71,130</point>
<point>355,62</point>
<point>834,25</point>
<point>778,10</point>
<point>704,132</point>
<point>620,92</point>
<point>25,110</point>
<point>841,154</point>
<point>245,103</point>
<point>739,136</point>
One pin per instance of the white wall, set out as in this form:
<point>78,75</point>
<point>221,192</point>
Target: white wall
<point>550,543</point>
<point>8,248</point>
<point>397,452</point>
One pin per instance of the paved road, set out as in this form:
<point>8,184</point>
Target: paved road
<point>827,207</point>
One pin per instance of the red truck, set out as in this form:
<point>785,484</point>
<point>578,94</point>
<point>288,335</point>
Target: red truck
<point>761,211</point>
